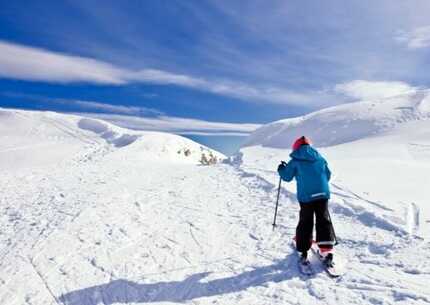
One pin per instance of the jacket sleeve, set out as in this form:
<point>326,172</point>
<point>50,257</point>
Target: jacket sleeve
<point>327,171</point>
<point>288,172</point>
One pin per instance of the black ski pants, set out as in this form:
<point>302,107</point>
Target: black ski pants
<point>324,228</point>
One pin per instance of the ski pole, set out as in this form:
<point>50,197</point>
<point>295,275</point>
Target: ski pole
<point>277,201</point>
<point>332,228</point>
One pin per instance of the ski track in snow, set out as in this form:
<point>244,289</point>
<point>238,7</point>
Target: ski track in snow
<point>101,229</point>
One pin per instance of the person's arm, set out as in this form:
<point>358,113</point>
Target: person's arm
<point>287,171</point>
<point>327,171</point>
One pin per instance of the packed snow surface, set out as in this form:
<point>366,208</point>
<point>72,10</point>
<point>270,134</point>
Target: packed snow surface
<point>94,214</point>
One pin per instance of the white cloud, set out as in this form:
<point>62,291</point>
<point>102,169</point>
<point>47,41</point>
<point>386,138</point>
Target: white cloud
<point>365,90</point>
<point>88,105</point>
<point>177,124</point>
<point>21,62</point>
<point>109,108</point>
<point>415,39</point>
<point>34,64</point>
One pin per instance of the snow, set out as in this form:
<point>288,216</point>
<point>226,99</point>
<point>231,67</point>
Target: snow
<point>102,129</point>
<point>345,123</point>
<point>91,213</point>
<point>385,170</point>
<point>38,139</point>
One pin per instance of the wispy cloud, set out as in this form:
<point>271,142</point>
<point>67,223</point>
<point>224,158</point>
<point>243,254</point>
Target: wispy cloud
<point>365,90</point>
<point>110,108</point>
<point>417,38</point>
<point>34,64</point>
<point>177,124</point>
<point>86,106</point>
<point>356,44</point>
<point>287,59</point>
<point>143,118</point>
<point>27,63</point>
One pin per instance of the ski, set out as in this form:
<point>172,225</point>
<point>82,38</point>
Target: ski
<point>304,266</point>
<point>329,265</point>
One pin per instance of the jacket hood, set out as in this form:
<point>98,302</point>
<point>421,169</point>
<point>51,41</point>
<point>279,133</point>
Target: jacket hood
<point>306,153</point>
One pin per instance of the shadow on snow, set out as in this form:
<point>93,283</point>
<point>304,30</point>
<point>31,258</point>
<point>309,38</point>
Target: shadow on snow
<point>124,291</point>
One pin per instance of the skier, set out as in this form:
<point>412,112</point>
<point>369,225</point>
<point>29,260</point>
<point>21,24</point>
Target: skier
<point>312,174</point>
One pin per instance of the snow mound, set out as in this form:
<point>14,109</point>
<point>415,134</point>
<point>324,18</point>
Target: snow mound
<point>345,123</point>
<point>149,145</point>
<point>169,147</point>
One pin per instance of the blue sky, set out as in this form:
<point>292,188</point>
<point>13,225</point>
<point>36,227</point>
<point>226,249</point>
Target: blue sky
<point>208,69</point>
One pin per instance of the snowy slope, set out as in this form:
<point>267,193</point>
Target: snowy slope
<point>137,223</point>
<point>30,139</point>
<point>386,175</point>
<point>379,154</point>
<point>379,151</point>
<point>345,123</point>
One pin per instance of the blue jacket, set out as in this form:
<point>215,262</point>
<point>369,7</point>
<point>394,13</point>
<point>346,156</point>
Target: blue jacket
<point>311,172</point>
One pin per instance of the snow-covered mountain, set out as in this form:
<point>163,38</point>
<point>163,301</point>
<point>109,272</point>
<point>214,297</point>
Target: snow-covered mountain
<point>94,214</point>
<point>345,123</point>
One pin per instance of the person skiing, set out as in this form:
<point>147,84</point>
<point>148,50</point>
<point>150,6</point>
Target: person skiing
<point>312,174</point>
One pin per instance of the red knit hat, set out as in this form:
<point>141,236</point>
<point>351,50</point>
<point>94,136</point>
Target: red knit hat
<point>301,141</point>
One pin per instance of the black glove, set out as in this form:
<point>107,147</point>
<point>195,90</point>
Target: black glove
<point>281,166</point>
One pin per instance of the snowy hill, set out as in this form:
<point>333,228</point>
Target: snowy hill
<point>30,138</point>
<point>93,214</point>
<point>345,123</point>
